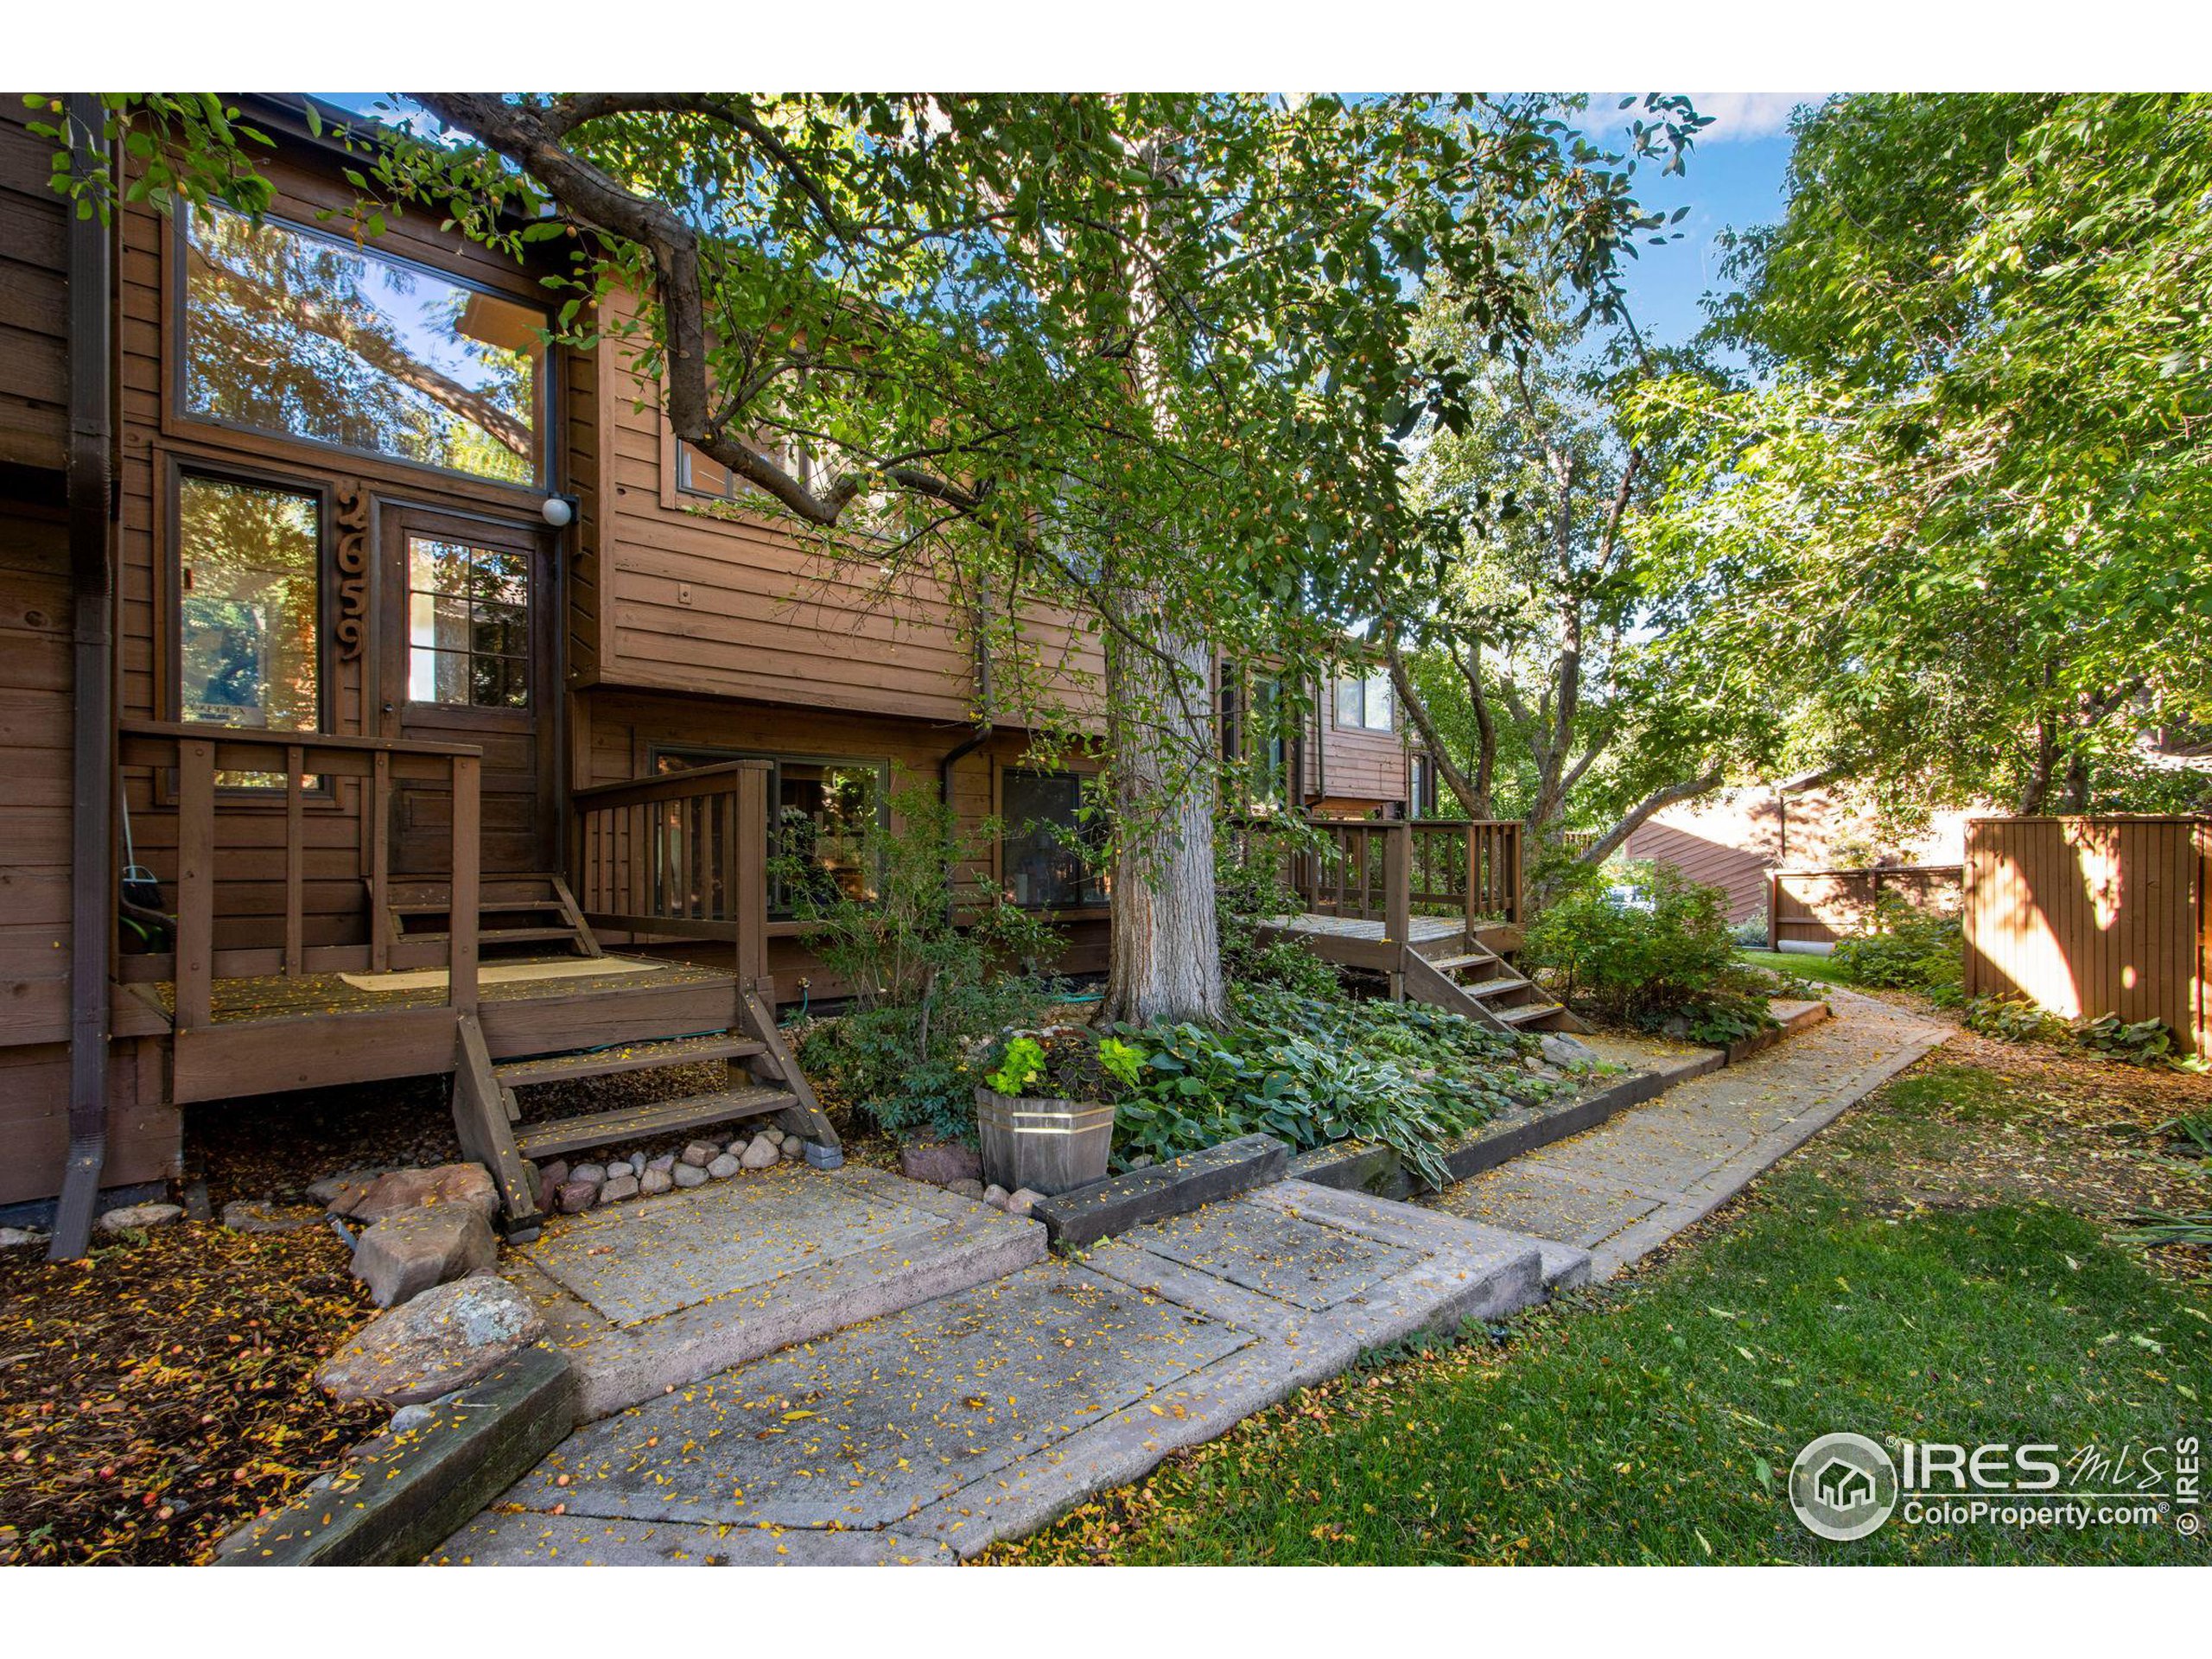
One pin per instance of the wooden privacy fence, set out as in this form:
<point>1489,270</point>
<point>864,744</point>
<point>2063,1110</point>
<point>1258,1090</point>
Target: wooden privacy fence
<point>2088,917</point>
<point>682,857</point>
<point>1818,908</point>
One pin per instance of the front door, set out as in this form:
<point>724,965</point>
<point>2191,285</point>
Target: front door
<point>468,658</point>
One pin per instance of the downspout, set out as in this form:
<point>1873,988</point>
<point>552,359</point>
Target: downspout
<point>93,882</point>
<point>974,739</point>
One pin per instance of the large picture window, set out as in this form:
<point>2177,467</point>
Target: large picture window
<point>289,330</point>
<point>249,605</point>
<point>825,818</point>
<point>1050,858</point>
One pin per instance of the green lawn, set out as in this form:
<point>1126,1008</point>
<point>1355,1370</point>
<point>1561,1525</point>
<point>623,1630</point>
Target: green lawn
<point>1823,969</point>
<point>1906,1276</point>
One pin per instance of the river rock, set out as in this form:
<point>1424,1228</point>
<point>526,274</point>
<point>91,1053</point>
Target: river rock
<point>654,1182</point>
<point>689,1175</point>
<point>700,1153</point>
<point>403,1256</point>
<point>941,1163</point>
<point>1021,1201</point>
<point>593,1172</point>
<point>252,1216</point>
<point>139,1215</point>
<point>965,1189</point>
<point>763,1154</point>
<point>723,1167</point>
<point>339,1194</point>
<point>1563,1050</point>
<point>794,1149</point>
<point>415,1189</point>
<point>619,1187</point>
<point>665,1162</point>
<point>445,1338</point>
<point>573,1195</point>
<point>995,1196</point>
<point>14,1238</point>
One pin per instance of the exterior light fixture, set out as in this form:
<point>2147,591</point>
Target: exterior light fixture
<point>559,510</point>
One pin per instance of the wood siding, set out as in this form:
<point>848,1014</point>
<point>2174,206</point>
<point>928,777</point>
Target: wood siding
<point>1357,770</point>
<point>1819,907</point>
<point>2088,917</point>
<point>33,298</point>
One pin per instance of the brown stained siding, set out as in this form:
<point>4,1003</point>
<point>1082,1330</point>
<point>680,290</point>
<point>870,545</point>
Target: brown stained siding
<point>36,726</point>
<point>144,1134</point>
<point>2088,917</point>
<point>1359,768</point>
<point>34,299</point>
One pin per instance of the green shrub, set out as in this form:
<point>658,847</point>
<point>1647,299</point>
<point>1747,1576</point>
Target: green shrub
<point>1904,947</point>
<point>927,990</point>
<point>1310,1070</point>
<point>2015,1019</point>
<point>1660,950</point>
<point>2145,1042</point>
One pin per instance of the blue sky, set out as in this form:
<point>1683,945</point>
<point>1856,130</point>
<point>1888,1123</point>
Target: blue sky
<point>1733,180</point>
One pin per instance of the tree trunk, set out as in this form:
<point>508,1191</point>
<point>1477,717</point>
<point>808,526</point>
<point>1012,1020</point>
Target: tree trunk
<point>1164,958</point>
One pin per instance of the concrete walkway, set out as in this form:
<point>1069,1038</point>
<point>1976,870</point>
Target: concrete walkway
<point>928,1433</point>
<point>1627,1186</point>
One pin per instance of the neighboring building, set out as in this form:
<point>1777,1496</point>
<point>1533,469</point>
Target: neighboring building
<point>374,708</point>
<point>1734,839</point>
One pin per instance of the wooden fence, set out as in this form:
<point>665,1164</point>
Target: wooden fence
<point>1815,908</point>
<point>2088,917</point>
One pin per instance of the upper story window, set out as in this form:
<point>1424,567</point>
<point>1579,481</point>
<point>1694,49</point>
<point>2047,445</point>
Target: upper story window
<point>701,475</point>
<point>292,331</point>
<point>1366,704</point>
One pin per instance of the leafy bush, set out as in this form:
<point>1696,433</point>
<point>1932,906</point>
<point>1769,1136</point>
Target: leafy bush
<point>1248,887</point>
<point>1310,1070</point>
<point>2015,1019</point>
<point>926,989</point>
<point>1904,947</point>
<point>1749,934</point>
<point>1061,1062</point>
<point>2145,1042</point>
<point>1645,950</point>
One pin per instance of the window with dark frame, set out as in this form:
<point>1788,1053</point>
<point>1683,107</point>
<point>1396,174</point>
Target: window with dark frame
<point>467,624</point>
<point>1366,704</point>
<point>297,333</point>
<point>826,814</point>
<point>249,605</point>
<point>1051,856</point>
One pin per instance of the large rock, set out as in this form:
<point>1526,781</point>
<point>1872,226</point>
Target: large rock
<point>723,1167</point>
<point>339,1194</point>
<point>444,1340</point>
<point>252,1216</point>
<point>700,1153</point>
<point>619,1187</point>
<point>941,1162</point>
<point>404,1255</point>
<point>1562,1049</point>
<point>572,1197</point>
<point>762,1154</point>
<point>655,1182</point>
<point>14,1238</point>
<point>416,1189</point>
<point>139,1215</point>
<point>689,1175</point>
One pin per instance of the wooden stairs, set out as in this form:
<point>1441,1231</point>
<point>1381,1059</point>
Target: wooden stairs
<point>492,1098</point>
<point>533,913</point>
<point>1460,974</point>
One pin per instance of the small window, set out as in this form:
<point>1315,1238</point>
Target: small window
<point>698,473</point>
<point>1366,704</point>
<point>467,624</point>
<point>827,814</point>
<point>250,606</point>
<point>1051,858</point>
<point>290,331</point>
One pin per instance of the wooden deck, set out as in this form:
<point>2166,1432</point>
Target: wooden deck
<point>1446,962</point>
<point>279,996</point>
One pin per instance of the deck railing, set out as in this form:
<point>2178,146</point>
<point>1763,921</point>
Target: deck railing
<point>679,857</point>
<point>307,767</point>
<point>1372,870</point>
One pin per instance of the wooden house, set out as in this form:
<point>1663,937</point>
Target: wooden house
<point>373,673</point>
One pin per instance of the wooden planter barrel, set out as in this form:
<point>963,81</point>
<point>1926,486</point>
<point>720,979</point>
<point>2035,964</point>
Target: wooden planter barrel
<point>1047,1145</point>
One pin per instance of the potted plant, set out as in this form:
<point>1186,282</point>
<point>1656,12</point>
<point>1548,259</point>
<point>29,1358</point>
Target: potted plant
<point>1045,1111</point>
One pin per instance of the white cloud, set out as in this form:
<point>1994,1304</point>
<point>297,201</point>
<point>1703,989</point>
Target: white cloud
<point>1736,117</point>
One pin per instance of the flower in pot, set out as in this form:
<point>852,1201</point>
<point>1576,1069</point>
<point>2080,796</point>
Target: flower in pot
<point>1045,1112</point>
